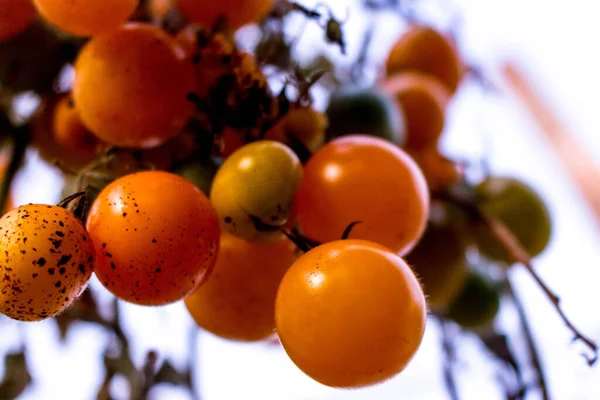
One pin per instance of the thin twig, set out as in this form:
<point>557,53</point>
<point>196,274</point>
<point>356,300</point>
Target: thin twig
<point>512,246</point>
<point>535,358</point>
<point>148,373</point>
<point>448,349</point>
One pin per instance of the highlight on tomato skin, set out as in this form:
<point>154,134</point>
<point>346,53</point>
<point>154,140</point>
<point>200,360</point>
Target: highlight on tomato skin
<point>337,313</point>
<point>367,179</point>
<point>156,237</point>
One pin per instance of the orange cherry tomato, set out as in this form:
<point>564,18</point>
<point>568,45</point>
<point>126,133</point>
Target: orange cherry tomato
<point>86,18</point>
<point>47,261</point>
<point>131,86</point>
<point>423,100</point>
<point>15,17</point>
<point>350,313</point>
<point>368,179</point>
<point>426,50</point>
<point>70,132</point>
<point>156,237</point>
<point>160,8</point>
<point>238,301</point>
<point>236,12</point>
<point>439,171</point>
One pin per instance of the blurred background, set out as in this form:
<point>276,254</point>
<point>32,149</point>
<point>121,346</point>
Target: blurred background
<point>551,43</point>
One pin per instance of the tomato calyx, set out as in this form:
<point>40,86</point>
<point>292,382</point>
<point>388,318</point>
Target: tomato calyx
<point>306,244</point>
<point>76,203</point>
<point>349,228</point>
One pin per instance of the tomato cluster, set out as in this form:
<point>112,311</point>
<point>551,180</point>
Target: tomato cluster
<point>262,215</point>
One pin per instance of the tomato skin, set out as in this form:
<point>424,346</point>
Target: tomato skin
<point>350,313</point>
<point>238,301</point>
<point>426,50</point>
<point>139,107</point>
<point>237,12</point>
<point>156,237</point>
<point>86,18</point>
<point>15,17</point>
<point>367,179</point>
<point>256,183</point>
<point>305,125</point>
<point>48,261</point>
<point>70,132</point>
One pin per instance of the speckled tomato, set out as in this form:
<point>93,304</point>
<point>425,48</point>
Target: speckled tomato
<point>156,237</point>
<point>368,179</point>
<point>254,189</point>
<point>350,313</point>
<point>47,261</point>
<point>238,301</point>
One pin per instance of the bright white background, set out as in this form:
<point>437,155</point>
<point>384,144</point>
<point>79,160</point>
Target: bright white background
<point>555,41</point>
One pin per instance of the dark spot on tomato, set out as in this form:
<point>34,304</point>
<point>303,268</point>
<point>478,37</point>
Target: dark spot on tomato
<point>228,220</point>
<point>64,260</point>
<point>59,234</point>
<point>112,265</point>
<point>62,270</point>
<point>82,268</point>
<point>57,284</point>
<point>51,271</point>
<point>41,261</point>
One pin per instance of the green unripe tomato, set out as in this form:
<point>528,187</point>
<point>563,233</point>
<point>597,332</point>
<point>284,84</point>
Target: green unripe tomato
<point>200,173</point>
<point>366,111</point>
<point>439,260</point>
<point>520,209</point>
<point>476,304</point>
<point>253,190</point>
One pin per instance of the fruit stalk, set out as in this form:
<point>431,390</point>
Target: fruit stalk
<point>21,137</point>
<point>448,361</point>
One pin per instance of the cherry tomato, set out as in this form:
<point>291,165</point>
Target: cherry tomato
<point>254,189</point>
<point>70,132</point>
<point>440,172</point>
<point>156,237</point>
<point>238,301</point>
<point>139,106</point>
<point>367,111</point>
<point>521,210</point>
<point>439,260</point>
<point>86,18</point>
<point>476,304</point>
<point>236,12</point>
<point>426,50</point>
<point>15,17</point>
<point>231,141</point>
<point>304,125</point>
<point>48,261</point>
<point>367,179</point>
<point>423,100</point>
<point>350,313</point>
<point>160,8</point>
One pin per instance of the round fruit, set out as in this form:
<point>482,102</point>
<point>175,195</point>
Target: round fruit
<point>367,179</point>
<point>304,125</point>
<point>231,141</point>
<point>200,173</point>
<point>238,301</point>
<point>350,313</point>
<point>86,18</point>
<point>31,60</point>
<point>439,171</point>
<point>520,209</point>
<point>426,50</point>
<point>15,17</point>
<point>365,111</point>
<point>156,237</point>
<point>476,304</point>
<point>159,8</point>
<point>48,261</point>
<point>144,85</point>
<point>423,100</point>
<point>70,132</point>
<point>45,140</point>
<point>439,261</point>
<point>236,12</point>
<point>254,189</point>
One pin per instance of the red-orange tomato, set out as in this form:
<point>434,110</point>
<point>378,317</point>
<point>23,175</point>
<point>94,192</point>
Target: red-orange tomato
<point>423,49</point>
<point>238,301</point>
<point>132,85</point>
<point>350,313</point>
<point>367,179</point>
<point>236,12</point>
<point>156,237</point>
<point>70,132</point>
<point>86,18</point>
<point>15,16</point>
